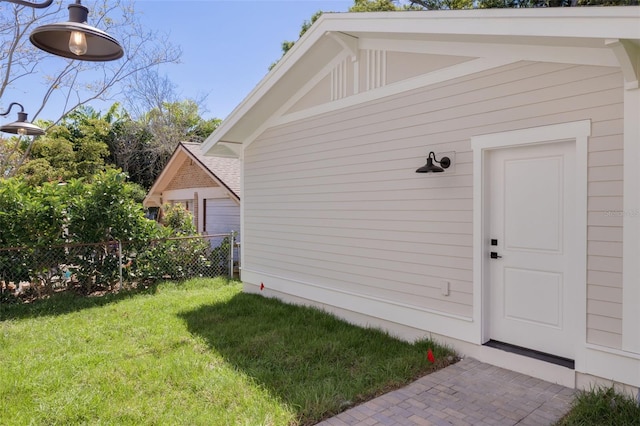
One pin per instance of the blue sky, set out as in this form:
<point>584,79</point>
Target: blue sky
<point>228,45</point>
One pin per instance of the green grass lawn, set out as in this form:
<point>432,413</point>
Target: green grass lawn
<point>197,353</point>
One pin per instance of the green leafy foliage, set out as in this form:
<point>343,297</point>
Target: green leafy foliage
<point>87,142</point>
<point>33,217</point>
<point>160,130</point>
<point>40,219</point>
<point>442,4</point>
<point>105,209</point>
<point>77,148</point>
<point>287,45</point>
<point>29,215</point>
<point>52,160</point>
<point>88,233</point>
<point>373,6</point>
<point>178,220</point>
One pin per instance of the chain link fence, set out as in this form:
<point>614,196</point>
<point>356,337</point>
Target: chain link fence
<point>33,272</point>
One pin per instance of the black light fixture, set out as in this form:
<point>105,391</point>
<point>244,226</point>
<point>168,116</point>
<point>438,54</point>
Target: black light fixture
<point>21,127</point>
<point>444,162</point>
<point>75,39</point>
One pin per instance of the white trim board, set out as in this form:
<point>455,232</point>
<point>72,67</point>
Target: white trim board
<point>596,56</point>
<point>273,120</point>
<point>631,224</point>
<point>450,73</point>
<point>457,327</point>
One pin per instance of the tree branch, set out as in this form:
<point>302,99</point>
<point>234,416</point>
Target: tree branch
<point>75,83</point>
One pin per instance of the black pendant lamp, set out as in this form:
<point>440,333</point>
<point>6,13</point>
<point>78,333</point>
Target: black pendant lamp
<point>75,39</point>
<point>21,127</point>
<point>444,162</point>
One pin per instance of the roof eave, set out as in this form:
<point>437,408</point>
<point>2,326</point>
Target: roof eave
<point>292,57</point>
<point>583,22</point>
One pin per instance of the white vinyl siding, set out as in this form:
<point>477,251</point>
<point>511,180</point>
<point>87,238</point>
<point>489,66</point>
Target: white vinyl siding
<point>403,65</point>
<point>222,216</point>
<point>604,250</point>
<point>334,200</point>
<point>320,94</point>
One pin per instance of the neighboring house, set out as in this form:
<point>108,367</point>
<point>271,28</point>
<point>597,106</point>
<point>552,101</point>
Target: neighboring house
<point>539,112</point>
<point>208,187</point>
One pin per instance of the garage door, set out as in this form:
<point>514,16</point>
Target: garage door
<point>222,215</point>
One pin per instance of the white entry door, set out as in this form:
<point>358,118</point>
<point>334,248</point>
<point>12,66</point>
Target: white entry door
<point>531,210</point>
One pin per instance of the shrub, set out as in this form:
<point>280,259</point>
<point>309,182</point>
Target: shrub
<point>69,234</point>
<point>103,210</point>
<point>40,219</point>
<point>30,217</point>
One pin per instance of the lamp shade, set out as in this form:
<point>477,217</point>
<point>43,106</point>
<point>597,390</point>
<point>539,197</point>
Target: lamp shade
<point>54,38</point>
<point>22,127</point>
<point>430,167</point>
<point>444,162</point>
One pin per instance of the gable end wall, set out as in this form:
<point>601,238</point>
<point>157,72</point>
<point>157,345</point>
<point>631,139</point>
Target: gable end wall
<point>190,175</point>
<point>334,200</point>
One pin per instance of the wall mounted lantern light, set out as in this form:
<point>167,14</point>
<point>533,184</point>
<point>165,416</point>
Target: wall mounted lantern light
<point>74,39</point>
<point>444,162</point>
<point>21,127</point>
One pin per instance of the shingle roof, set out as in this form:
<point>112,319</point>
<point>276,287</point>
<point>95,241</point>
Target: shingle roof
<point>227,170</point>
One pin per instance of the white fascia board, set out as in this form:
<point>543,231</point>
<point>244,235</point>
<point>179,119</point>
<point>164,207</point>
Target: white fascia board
<point>170,168</point>
<point>282,66</point>
<point>277,117</point>
<point>582,22</point>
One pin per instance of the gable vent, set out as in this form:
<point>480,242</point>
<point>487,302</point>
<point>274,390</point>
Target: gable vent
<point>339,81</point>
<point>376,69</point>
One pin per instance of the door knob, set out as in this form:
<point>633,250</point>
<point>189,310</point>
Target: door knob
<point>495,255</point>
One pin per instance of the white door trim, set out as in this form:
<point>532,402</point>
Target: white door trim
<point>579,131</point>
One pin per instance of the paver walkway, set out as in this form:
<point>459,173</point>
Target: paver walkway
<point>466,393</point>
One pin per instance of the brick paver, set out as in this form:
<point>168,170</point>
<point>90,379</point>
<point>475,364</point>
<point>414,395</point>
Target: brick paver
<point>466,393</point>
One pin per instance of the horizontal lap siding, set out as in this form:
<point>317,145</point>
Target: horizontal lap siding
<point>223,216</point>
<point>604,233</point>
<point>335,199</point>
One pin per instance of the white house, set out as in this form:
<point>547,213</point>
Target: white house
<point>208,187</point>
<point>538,111</point>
